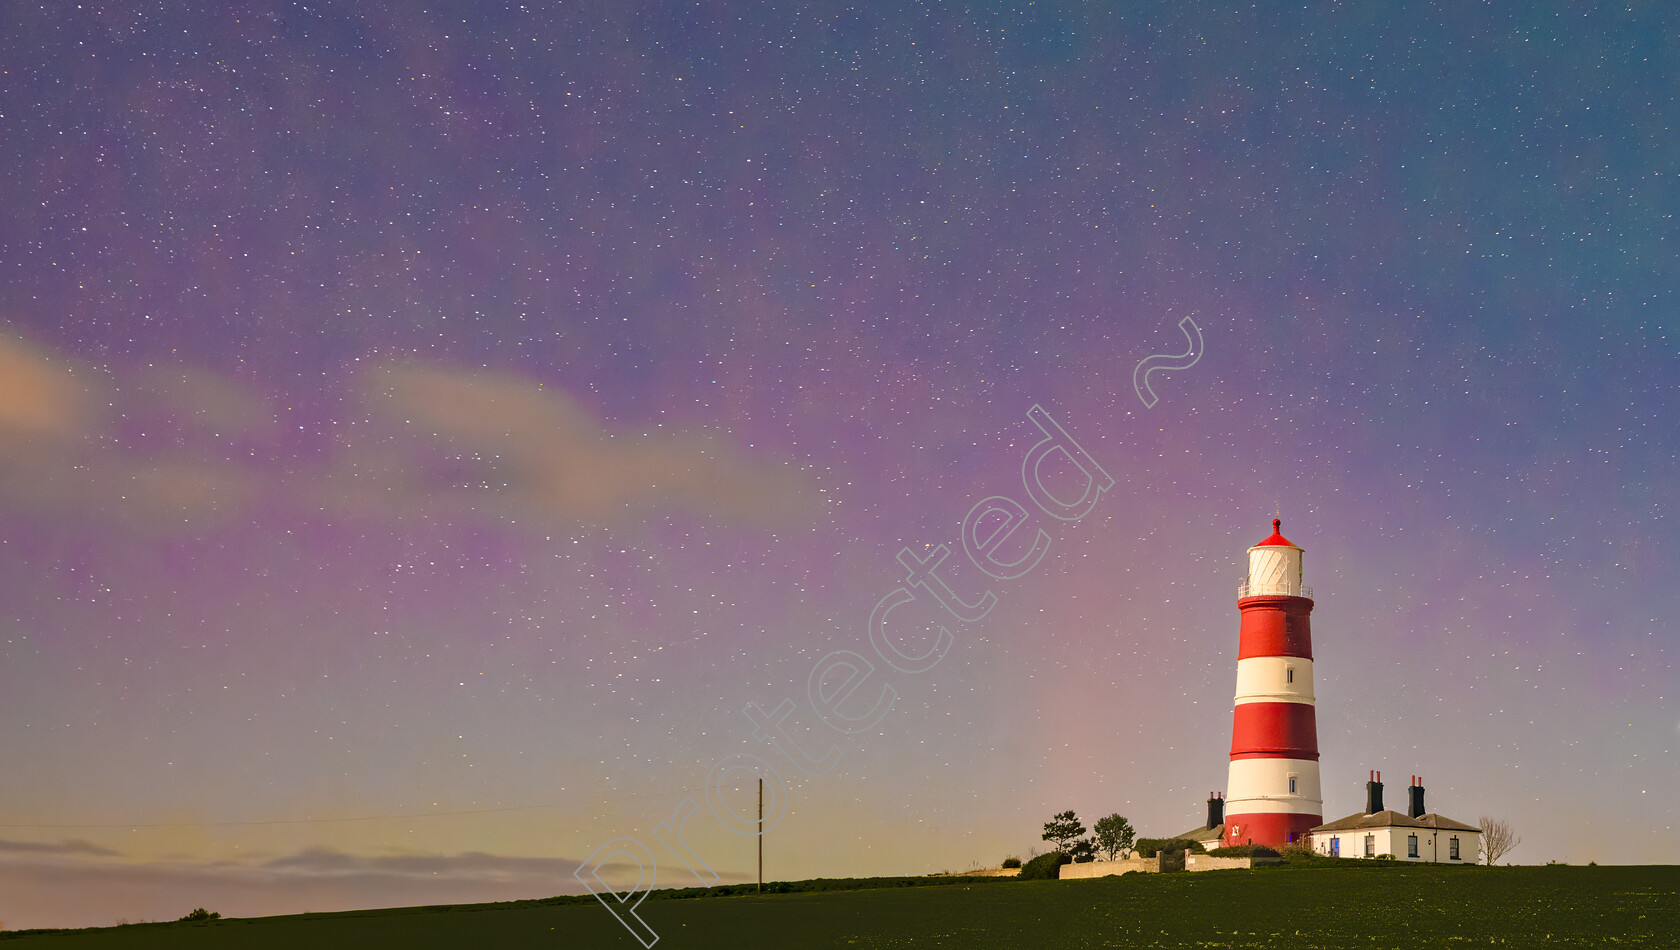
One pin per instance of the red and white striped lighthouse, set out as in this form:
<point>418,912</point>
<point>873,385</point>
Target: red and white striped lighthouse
<point>1272,794</point>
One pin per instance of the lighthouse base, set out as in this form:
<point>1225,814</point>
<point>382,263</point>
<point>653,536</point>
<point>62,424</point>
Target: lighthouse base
<point>1272,829</point>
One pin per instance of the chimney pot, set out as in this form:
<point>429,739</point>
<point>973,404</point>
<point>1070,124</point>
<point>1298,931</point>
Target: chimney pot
<point>1414,807</point>
<point>1373,793</point>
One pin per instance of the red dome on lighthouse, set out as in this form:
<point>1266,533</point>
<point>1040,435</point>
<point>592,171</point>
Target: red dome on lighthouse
<point>1277,537</point>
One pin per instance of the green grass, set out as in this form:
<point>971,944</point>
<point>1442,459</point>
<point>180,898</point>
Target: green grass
<point>1349,904</point>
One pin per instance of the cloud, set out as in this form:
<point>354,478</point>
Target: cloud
<point>78,444</point>
<point>471,864</point>
<point>167,449</point>
<point>460,444</point>
<point>40,396</point>
<point>61,848</point>
<point>46,410</point>
<point>46,886</point>
<point>197,401</point>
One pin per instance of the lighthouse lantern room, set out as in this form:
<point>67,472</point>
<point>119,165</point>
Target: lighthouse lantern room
<point>1272,792</point>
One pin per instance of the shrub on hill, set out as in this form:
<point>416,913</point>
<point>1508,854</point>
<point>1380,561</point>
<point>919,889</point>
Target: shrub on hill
<point>1012,862</point>
<point>1045,867</point>
<point>1150,847</point>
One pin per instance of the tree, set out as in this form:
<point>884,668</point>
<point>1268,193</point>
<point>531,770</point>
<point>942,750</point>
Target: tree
<point>1114,836</point>
<point>1497,838</point>
<point>1064,829</point>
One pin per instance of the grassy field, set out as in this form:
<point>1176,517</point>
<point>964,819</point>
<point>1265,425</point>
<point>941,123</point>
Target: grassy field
<point>1353,904</point>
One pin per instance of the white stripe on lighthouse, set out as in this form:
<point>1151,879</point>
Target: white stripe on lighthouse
<point>1275,679</point>
<point>1262,785</point>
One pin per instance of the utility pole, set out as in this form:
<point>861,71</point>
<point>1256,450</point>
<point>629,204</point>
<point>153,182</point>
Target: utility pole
<point>761,835</point>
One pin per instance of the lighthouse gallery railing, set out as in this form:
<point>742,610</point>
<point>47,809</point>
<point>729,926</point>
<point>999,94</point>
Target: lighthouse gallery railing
<point>1273,589</point>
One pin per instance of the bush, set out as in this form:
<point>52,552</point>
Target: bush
<point>201,914</point>
<point>1045,867</point>
<point>1150,847</point>
<point>1301,851</point>
<point>1012,862</point>
<point>1244,851</point>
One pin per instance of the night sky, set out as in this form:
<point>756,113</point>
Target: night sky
<point>423,432</point>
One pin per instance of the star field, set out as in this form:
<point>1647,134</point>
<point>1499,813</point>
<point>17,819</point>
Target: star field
<point>423,431</point>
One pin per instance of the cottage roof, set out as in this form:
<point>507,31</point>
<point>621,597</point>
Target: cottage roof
<point>1443,823</point>
<point>1359,821</point>
<point>1204,834</point>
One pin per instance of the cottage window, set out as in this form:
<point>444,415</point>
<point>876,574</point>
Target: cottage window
<point>1335,847</point>
<point>1411,846</point>
<point>1370,846</point>
<point>1452,847</point>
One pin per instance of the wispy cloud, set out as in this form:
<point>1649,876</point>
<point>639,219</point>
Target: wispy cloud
<point>475,865</point>
<point>160,449</point>
<point>74,884</point>
<point>59,848</point>
<point>40,395</point>
<point>461,443</point>
<point>144,451</point>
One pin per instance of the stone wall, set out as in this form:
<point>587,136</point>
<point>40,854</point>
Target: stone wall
<point>1105,868</point>
<point>1202,862</point>
<point>1177,861</point>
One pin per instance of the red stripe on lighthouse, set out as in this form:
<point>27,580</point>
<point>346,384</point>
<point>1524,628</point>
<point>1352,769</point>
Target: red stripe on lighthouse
<point>1274,730</point>
<point>1275,626</point>
<point>1269,828</point>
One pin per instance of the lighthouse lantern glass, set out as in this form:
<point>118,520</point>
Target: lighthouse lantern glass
<point>1274,569</point>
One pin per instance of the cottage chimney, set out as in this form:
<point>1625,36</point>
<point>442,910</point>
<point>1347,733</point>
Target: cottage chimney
<point>1216,810</point>
<point>1415,805</point>
<point>1373,793</point>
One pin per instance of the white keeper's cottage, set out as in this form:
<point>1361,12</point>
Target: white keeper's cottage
<point>1415,836</point>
